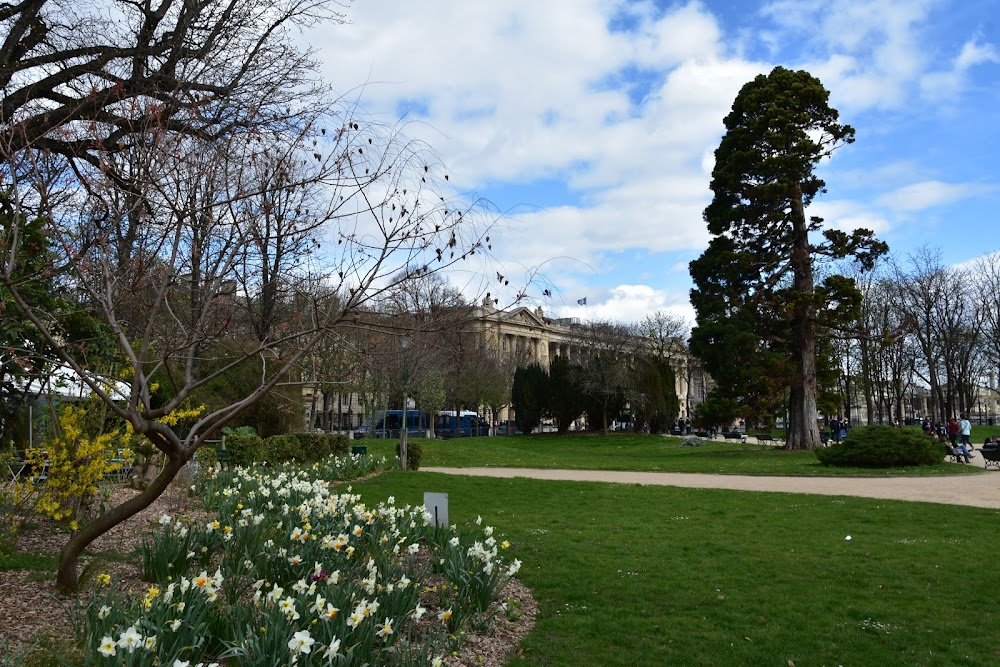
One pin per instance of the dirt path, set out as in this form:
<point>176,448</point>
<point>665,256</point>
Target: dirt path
<point>969,490</point>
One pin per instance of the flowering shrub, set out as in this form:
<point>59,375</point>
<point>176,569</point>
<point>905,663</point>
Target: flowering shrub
<point>77,462</point>
<point>293,573</point>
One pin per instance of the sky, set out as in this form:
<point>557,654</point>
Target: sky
<point>592,124</point>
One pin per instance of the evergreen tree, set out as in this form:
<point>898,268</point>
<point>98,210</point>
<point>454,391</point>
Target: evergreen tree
<point>529,396</point>
<point>565,400</point>
<point>759,309</point>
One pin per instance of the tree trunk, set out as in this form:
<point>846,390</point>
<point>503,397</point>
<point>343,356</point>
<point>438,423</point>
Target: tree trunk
<point>803,432</point>
<point>67,576</point>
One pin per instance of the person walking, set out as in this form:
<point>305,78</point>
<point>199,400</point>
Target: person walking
<point>965,430</point>
<point>953,431</point>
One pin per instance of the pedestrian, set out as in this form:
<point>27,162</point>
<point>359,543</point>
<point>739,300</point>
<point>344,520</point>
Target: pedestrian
<point>965,430</point>
<point>953,431</point>
<point>835,428</point>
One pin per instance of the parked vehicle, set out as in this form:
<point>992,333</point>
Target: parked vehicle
<point>467,424</point>
<point>389,423</point>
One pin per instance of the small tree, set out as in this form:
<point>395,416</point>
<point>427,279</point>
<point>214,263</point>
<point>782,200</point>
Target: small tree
<point>565,399</point>
<point>140,134</point>
<point>528,396</point>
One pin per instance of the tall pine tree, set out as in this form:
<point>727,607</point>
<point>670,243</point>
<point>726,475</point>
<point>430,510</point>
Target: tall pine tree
<point>759,310</point>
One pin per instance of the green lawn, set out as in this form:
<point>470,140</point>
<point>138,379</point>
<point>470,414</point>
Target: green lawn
<point>632,575</point>
<point>634,452</point>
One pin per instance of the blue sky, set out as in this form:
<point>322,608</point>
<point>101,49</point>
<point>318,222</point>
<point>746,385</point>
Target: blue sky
<point>593,123</point>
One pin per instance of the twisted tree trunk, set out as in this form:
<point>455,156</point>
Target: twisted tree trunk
<point>67,577</point>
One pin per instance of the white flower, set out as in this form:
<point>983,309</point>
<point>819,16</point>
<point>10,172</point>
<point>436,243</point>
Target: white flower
<point>130,639</point>
<point>165,519</point>
<point>287,606</point>
<point>150,643</point>
<point>332,649</point>
<point>107,647</point>
<point>848,538</point>
<point>182,663</point>
<point>418,612</point>
<point>453,541</point>
<point>103,612</point>
<point>385,629</point>
<point>301,642</point>
<point>174,624</point>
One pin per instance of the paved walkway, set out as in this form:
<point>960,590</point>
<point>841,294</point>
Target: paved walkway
<point>969,490</point>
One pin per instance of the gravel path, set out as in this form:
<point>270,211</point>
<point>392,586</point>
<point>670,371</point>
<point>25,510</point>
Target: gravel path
<point>969,490</point>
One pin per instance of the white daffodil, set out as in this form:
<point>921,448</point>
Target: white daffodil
<point>107,647</point>
<point>130,640</point>
<point>301,642</point>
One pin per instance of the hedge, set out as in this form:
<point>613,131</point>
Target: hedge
<point>882,447</point>
<point>296,447</point>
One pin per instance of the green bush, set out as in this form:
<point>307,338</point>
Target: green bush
<point>414,454</point>
<point>244,449</point>
<point>882,447</point>
<point>283,448</point>
<point>318,446</point>
<point>207,456</point>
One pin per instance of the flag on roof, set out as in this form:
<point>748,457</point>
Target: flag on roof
<point>499,277</point>
<point>582,302</point>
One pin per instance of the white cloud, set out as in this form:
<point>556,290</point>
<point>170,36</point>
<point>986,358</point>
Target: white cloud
<point>631,303</point>
<point>848,215</point>
<point>948,84</point>
<point>868,54</point>
<point>928,194</point>
<point>628,120</point>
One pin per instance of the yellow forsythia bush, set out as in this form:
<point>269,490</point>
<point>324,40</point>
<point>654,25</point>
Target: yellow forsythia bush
<point>77,461</point>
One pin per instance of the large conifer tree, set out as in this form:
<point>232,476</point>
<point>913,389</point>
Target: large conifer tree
<point>759,310</point>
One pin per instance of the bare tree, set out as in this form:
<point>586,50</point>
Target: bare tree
<point>987,272</point>
<point>185,134</point>
<point>606,365</point>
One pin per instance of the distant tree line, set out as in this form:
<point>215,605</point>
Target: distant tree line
<point>624,373</point>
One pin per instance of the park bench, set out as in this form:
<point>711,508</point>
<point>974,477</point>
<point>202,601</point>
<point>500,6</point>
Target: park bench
<point>734,435</point>
<point>951,454</point>
<point>704,434</point>
<point>676,431</point>
<point>765,438</point>
<point>991,455</point>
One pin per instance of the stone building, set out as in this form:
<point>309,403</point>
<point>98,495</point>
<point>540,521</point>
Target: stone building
<point>525,335</point>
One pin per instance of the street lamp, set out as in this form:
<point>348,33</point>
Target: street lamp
<point>404,344</point>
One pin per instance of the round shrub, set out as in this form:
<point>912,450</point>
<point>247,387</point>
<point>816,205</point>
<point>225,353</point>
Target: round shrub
<point>318,446</point>
<point>881,447</point>
<point>414,454</point>
<point>282,448</point>
<point>243,450</point>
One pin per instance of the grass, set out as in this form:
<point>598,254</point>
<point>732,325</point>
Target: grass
<point>645,453</point>
<point>23,561</point>
<point>632,575</point>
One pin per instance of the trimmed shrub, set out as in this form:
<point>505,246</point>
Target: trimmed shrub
<point>414,454</point>
<point>283,448</point>
<point>244,449</point>
<point>882,447</point>
<point>318,446</point>
<point>207,456</point>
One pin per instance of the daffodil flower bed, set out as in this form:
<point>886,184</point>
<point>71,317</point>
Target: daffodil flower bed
<point>292,573</point>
